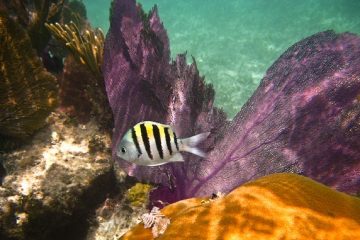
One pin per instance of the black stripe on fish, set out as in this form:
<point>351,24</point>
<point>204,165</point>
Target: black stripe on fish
<point>145,139</point>
<point>135,140</point>
<point>156,133</point>
<point>176,143</point>
<point>168,139</point>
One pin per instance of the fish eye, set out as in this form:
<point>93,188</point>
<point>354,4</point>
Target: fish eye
<point>123,150</point>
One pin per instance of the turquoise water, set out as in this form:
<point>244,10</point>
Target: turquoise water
<point>235,41</point>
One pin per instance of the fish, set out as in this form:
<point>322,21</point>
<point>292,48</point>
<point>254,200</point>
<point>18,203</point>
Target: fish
<point>152,144</point>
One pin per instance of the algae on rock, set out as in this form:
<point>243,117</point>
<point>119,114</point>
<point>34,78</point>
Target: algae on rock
<point>138,195</point>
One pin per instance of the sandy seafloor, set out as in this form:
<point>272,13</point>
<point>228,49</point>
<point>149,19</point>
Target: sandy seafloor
<point>235,41</point>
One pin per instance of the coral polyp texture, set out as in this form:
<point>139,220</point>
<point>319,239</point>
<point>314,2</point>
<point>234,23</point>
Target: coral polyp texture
<point>303,118</point>
<point>28,92</point>
<point>278,206</point>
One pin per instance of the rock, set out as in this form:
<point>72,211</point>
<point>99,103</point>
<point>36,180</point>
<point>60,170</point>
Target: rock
<point>54,182</point>
<point>278,206</point>
<point>118,214</point>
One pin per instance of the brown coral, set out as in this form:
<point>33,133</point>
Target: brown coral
<point>44,11</point>
<point>278,206</point>
<point>32,15</point>
<point>28,92</point>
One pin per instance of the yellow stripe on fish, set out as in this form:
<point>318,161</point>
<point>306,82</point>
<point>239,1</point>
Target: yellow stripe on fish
<point>149,129</point>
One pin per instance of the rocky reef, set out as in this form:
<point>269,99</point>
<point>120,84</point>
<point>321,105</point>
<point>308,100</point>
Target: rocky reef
<point>278,206</point>
<point>54,183</point>
<point>303,118</point>
<point>54,171</point>
<point>118,214</point>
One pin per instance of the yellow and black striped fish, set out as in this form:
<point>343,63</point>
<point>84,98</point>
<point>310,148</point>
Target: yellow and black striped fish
<point>152,144</point>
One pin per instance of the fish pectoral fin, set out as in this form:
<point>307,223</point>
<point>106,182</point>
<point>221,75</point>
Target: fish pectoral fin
<point>177,158</point>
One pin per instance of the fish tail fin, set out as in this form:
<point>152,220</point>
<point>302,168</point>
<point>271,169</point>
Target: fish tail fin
<point>189,144</point>
<point>194,150</point>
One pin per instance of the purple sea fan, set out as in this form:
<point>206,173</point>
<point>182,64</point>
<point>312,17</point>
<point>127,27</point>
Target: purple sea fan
<point>142,84</point>
<point>304,117</point>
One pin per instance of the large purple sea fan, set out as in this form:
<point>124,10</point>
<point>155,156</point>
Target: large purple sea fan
<point>304,117</point>
<point>142,84</point>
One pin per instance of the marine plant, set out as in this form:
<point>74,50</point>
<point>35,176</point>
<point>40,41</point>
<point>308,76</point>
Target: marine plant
<point>28,92</point>
<point>86,47</point>
<point>303,118</point>
<point>54,52</point>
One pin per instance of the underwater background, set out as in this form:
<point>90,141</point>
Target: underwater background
<point>282,160</point>
<point>235,41</point>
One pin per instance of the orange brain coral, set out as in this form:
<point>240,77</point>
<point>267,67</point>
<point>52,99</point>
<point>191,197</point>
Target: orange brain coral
<point>279,206</point>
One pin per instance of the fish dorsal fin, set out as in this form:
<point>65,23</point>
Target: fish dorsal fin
<point>177,158</point>
<point>175,128</point>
